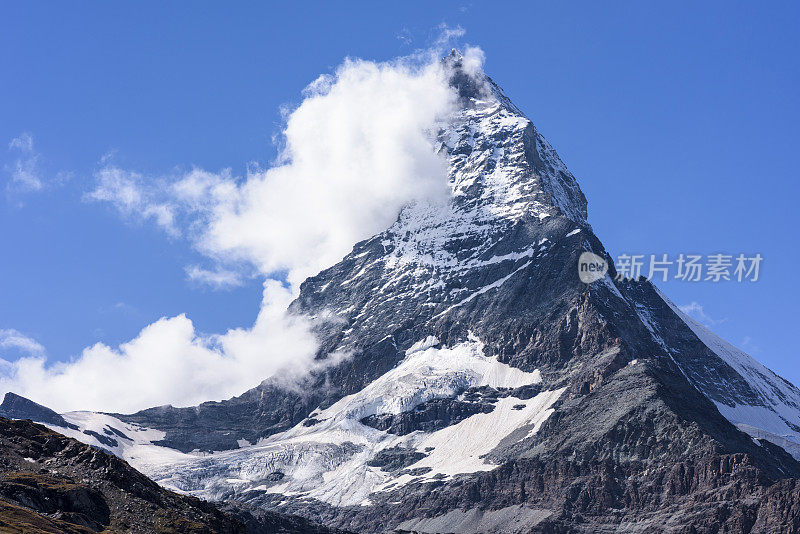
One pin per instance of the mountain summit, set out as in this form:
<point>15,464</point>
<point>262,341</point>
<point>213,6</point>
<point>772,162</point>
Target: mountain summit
<point>479,386</point>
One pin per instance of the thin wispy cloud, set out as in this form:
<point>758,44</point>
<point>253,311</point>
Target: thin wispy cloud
<point>404,35</point>
<point>118,307</point>
<point>216,279</point>
<point>25,169</point>
<point>697,312</point>
<point>448,34</point>
<point>25,172</point>
<point>133,197</point>
<point>14,339</point>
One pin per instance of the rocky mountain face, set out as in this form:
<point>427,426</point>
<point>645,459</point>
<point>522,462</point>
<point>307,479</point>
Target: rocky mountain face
<point>484,387</point>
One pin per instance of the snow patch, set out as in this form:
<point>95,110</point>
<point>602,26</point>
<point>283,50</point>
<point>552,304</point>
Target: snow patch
<point>460,448</point>
<point>134,444</point>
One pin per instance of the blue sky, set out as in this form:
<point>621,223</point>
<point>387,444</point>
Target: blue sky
<point>680,122</point>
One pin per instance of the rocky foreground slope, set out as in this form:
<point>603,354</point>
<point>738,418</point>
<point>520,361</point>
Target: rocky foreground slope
<point>484,387</point>
<point>53,484</point>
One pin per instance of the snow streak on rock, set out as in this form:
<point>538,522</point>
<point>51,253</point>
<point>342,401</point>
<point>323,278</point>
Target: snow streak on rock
<point>774,413</point>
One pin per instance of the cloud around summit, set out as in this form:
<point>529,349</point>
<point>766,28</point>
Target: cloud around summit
<point>354,151</point>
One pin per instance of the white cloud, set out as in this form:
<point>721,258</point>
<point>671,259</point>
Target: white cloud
<point>14,339</point>
<point>129,193</point>
<point>217,279</point>
<point>355,151</point>
<point>473,60</point>
<point>447,35</point>
<point>24,171</point>
<point>169,362</point>
<point>23,143</point>
<point>404,35</point>
<point>696,311</point>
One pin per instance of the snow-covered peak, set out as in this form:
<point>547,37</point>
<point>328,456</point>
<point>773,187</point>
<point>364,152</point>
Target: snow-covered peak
<point>501,171</point>
<point>511,201</point>
<point>489,121</point>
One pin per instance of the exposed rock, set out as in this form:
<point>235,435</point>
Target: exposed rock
<point>51,483</point>
<point>428,416</point>
<point>105,440</point>
<point>16,407</point>
<point>258,521</point>
<point>395,458</point>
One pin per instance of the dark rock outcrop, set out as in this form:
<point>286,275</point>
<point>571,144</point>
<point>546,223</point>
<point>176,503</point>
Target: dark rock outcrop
<point>66,482</point>
<point>260,412</point>
<point>395,458</point>
<point>17,407</point>
<point>53,484</point>
<point>260,521</point>
<point>428,416</point>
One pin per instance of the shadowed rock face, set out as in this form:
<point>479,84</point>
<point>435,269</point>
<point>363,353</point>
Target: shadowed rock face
<point>211,426</point>
<point>428,416</point>
<point>643,431</point>
<point>17,407</point>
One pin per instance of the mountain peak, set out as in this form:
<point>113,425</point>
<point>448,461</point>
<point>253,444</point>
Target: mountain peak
<point>454,55</point>
<point>18,407</point>
<point>493,144</point>
<point>501,171</point>
<point>468,83</point>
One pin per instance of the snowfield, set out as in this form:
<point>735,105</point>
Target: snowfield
<point>130,442</point>
<point>329,460</point>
